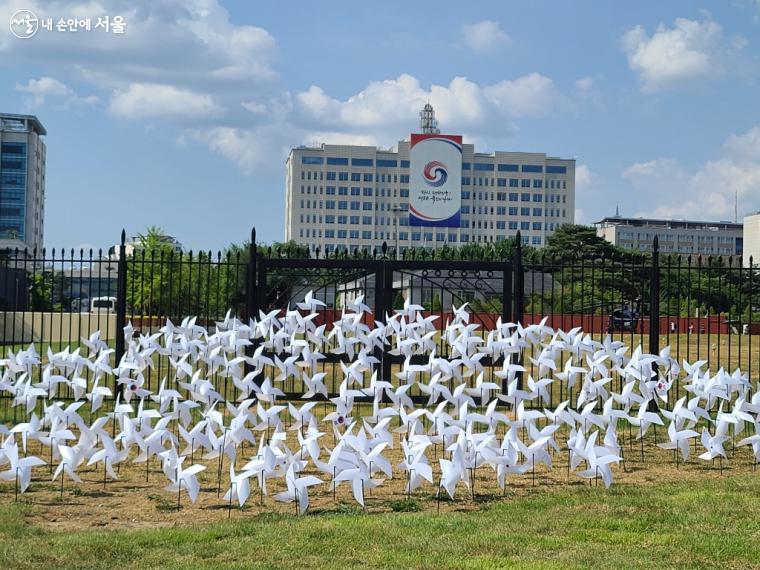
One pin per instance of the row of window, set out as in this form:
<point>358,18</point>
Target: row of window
<point>404,193</point>
<point>343,220</point>
<point>354,176</point>
<point>14,148</point>
<point>404,179</point>
<point>405,236</point>
<point>392,163</point>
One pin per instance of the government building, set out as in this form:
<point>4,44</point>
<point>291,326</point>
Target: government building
<point>357,197</point>
<point>22,182</point>
<point>687,238</point>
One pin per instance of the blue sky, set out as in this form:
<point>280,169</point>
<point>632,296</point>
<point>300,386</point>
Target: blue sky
<point>185,120</point>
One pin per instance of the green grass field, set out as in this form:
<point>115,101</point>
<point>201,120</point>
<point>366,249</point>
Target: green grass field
<point>710,523</point>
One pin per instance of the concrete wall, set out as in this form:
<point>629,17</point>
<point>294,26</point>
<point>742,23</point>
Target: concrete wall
<point>752,239</point>
<point>26,327</point>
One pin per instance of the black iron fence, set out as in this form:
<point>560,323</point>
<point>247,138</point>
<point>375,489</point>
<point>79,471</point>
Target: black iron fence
<point>702,308</point>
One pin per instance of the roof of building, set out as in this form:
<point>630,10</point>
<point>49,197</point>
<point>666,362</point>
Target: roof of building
<point>663,223</point>
<point>31,118</point>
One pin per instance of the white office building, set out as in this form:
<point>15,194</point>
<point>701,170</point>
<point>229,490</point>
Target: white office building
<point>22,182</point>
<point>752,239</point>
<point>687,238</point>
<point>357,197</point>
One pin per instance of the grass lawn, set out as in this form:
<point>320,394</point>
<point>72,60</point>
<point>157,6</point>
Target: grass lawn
<point>709,523</point>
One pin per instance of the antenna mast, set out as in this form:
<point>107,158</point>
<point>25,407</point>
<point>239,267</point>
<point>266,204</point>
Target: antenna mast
<point>428,122</point>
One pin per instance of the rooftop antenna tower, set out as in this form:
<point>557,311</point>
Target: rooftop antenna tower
<point>428,122</point>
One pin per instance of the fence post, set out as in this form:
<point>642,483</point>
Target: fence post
<point>519,293</point>
<point>384,304</point>
<point>251,298</point>
<point>121,299</point>
<point>519,288</point>
<point>654,299</point>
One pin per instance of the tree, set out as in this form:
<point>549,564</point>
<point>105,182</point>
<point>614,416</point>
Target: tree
<point>577,241</point>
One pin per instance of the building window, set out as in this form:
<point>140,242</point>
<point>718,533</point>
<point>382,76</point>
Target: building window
<point>361,162</point>
<point>484,166</point>
<point>337,161</point>
<point>525,183</point>
<point>343,176</point>
<point>386,163</point>
<point>537,183</point>
<point>556,169</point>
<point>312,160</point>
<point>532,168</point>
<point>507,168</point>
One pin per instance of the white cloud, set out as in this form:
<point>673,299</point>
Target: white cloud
<point>387,109</point>
<point>162,37</point>
<point>48,88</point>
<point>532,95</point>
<point>707,192</point>
<point>659,168</point>
<point>688,51</point>
<point>485,36</point>
<point>583,176</point>
<point>141,100</point>
<point>250,149</point>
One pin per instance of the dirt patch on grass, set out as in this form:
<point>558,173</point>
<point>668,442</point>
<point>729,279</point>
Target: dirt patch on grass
<point>137,500</point>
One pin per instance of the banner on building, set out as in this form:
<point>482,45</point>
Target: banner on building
<point>435,180</point>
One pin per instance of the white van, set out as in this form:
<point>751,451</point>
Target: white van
<point>103,305</point>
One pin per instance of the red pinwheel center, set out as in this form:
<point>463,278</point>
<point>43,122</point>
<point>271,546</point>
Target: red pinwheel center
<point>133,387</point>
<point>341,420</point>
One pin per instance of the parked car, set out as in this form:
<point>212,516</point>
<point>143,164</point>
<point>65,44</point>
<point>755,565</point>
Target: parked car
<point>103,305</point>
<point>623,320</point>
<point>80,305</point>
